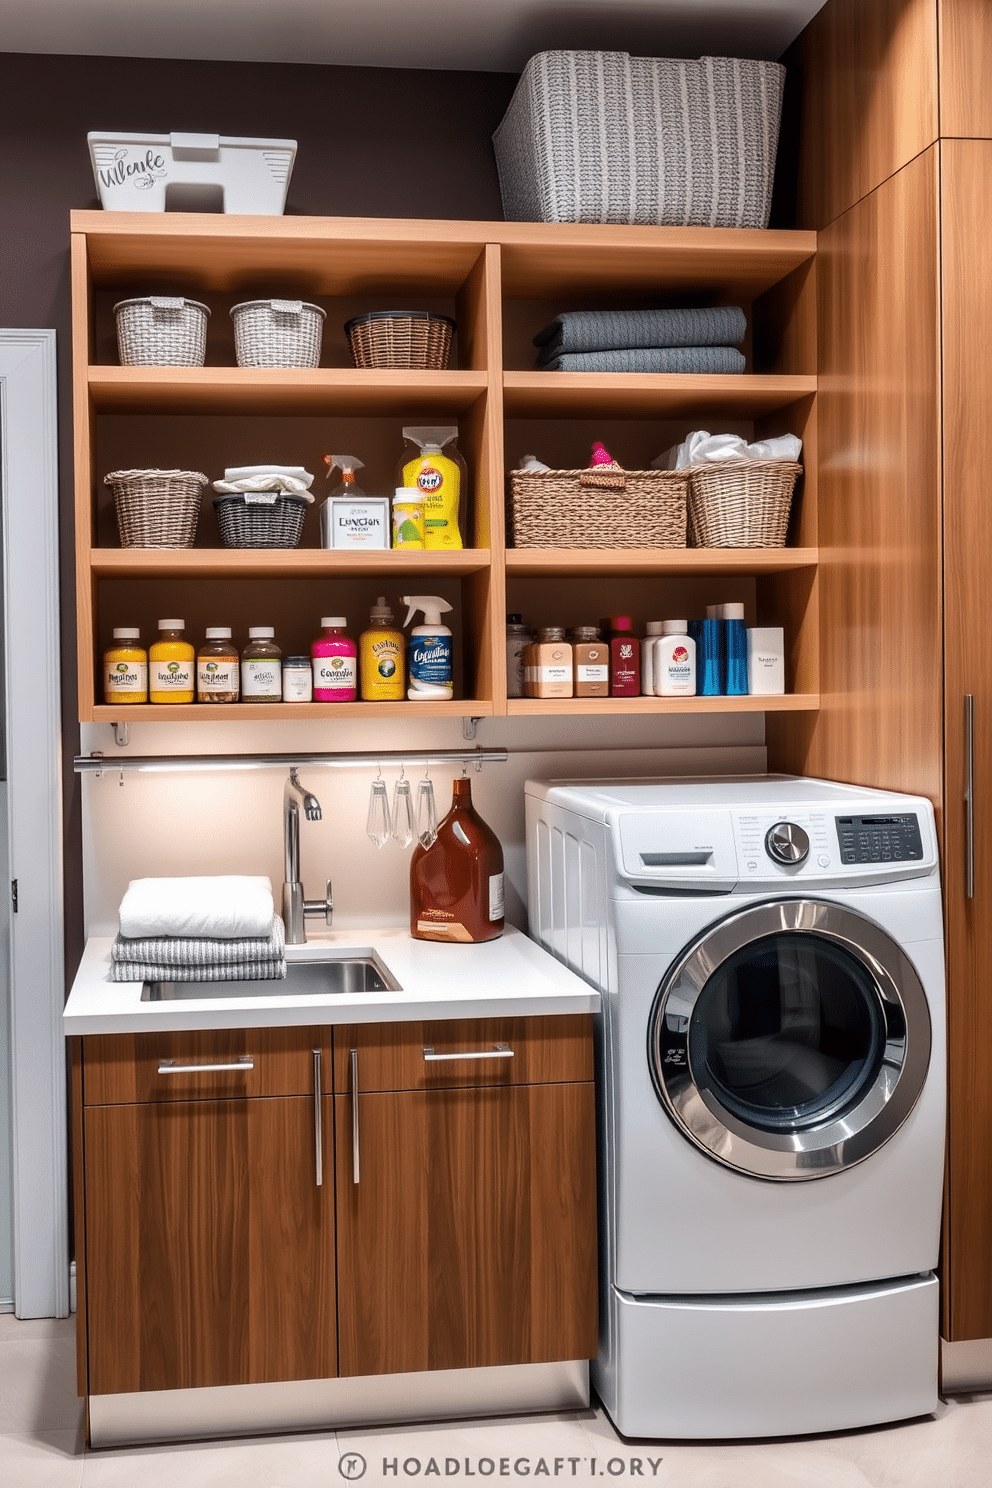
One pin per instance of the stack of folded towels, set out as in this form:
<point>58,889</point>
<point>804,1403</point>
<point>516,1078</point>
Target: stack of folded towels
<point>221,929</point>
<point>690,340</point>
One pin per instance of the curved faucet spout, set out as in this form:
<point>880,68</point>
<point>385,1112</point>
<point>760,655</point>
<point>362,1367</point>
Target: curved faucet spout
<point>294,906</point>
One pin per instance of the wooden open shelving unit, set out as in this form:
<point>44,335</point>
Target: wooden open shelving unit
<point>502,282</point>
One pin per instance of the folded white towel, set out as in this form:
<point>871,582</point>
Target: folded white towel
<point>225,907</point>
<point>703,448</point>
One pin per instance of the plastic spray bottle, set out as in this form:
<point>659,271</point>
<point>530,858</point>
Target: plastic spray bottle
<point>429,661</point>
<point>346,487</point>
<point>438,477</point>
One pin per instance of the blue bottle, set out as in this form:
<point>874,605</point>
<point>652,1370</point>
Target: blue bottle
<point>707,638</point>
<point>734,649</point>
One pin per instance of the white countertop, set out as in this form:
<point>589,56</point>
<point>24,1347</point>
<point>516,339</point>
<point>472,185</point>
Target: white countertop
<point>511,976</point>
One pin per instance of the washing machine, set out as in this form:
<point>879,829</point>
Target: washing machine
<point>771,1055</point>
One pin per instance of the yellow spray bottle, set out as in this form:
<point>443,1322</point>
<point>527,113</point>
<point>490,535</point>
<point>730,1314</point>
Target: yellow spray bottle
<point>437,473</point>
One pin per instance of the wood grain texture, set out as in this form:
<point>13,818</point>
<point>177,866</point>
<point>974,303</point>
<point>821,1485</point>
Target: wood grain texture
<point>965,29</point>
<point>868,78</point>
<point>391,1055</point>
<point>471,1238</point>
<point>966,171</point>
<point>78,1204</point>
<point>878,506</point>
<point>123,1067</point>
<point>211,1248</point>
<point>84,476</point>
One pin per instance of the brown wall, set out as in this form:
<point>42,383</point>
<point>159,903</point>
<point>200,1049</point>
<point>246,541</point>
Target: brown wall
<point>371,142</point>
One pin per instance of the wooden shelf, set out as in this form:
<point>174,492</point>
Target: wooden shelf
<point>268,563</point>
<point>547,562</point>
<point>279,712</point>
<point>806,702</point>
<point>240,390</point>
<point>649,395</point>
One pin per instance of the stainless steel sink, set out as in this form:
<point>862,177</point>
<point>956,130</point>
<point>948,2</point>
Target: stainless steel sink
<point>351,971</point>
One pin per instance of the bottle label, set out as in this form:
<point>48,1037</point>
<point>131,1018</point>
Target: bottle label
<point>496,896</point>
<point>297,685</point>
<point>547,674</point>
<point>334,673</point>
<point>261,678</point>
<point>127,676</point>
<point>443,930</point>
<point>430,660</point>
<point>217,676</point>
<point>585,673</point>
<point>172,676</point>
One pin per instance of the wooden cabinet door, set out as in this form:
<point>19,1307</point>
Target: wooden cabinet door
<point>470,1236</point>
<point>966,251</point>
<point>209,1244</point>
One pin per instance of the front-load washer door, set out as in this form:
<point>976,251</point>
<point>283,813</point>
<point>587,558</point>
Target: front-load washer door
<point>791,1040</point>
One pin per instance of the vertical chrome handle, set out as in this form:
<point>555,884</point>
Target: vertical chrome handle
<point>355,1161</point>
<point>969,794</point>
<point>318,1120</point>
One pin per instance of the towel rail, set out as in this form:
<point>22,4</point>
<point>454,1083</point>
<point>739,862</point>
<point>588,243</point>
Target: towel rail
<point>99,764</point>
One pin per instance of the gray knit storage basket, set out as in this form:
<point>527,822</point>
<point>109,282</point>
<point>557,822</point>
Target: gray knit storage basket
<point>161,331</point>
<point>598,508</point>
<point>277,333</point>
<point>606,137</point>
<point>265,519</point>
<point>741,503</point>
<point>156,508</point>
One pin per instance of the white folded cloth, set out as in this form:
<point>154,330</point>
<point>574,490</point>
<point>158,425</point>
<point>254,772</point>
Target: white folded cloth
<point>270,481</point>
<point>703,448</point>
<point>226,907</point>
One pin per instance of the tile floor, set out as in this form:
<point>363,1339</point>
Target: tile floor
<point>41,1446</point>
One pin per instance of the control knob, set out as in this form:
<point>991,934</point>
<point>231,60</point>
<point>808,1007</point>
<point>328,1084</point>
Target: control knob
<point>787,843</point>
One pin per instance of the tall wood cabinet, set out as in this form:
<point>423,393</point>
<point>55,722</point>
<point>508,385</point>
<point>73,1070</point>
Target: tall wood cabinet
<point>894,101</point>
<point>501,282</point>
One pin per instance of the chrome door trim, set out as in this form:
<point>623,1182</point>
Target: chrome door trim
<point>839,1141</point>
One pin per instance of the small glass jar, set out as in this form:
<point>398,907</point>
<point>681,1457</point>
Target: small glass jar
<point>592,662</point>
<point>261,667</point>
<point>297,679</point>
<point>518,638</point>
<point>125,668</point>
<point>218,674</point>
<point>548,669</point>
<point>171,665</point>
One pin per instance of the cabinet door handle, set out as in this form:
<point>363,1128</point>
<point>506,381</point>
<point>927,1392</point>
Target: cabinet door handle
<point>318,1120</point>
<point>498,1051</point>
<point>355,1159</point>
<point>170,1067</point>
<point>969,794</point>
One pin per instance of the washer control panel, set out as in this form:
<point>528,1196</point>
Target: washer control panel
<point>771,844</point>
<point>880,839</point>
<point>787,842</point>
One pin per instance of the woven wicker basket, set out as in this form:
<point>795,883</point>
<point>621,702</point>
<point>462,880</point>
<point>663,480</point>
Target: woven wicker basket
<point>598,508</point>
<point>277,333</point>
<point>156,508</point>
<point>741,503</point>
<point>161,331</point>
<point>270,519</point>
<point>400,338</point>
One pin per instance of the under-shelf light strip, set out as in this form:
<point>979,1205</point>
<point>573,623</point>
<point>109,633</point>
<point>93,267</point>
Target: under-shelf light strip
<point>99,764</point>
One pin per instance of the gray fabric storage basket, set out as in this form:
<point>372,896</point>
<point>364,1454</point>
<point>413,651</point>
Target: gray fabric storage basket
<point>606,137</point>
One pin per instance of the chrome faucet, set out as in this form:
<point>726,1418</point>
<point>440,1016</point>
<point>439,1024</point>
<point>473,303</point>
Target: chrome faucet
<point>295,908</point>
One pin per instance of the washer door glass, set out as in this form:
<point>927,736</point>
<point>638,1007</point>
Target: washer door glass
<point>791,1040</point>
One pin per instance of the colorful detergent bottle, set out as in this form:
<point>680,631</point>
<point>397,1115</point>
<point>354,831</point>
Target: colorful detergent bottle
<point>429,657</point>
<point>439,480</point>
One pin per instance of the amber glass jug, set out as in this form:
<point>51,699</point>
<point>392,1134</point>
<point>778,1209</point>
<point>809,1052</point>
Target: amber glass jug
<point>456,884</point>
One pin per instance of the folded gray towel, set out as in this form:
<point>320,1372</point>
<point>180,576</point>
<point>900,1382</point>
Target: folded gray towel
<point>154,971</point>
<point>183,950</point>
<point>652,359</point>
<point>621,330</point>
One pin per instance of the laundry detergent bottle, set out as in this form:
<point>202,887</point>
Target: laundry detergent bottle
<point>380,656</point>
<point>456,884</point>
<point>429,656</point>
<point>437,474</point>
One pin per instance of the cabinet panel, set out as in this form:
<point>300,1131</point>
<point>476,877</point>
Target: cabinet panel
<point>209,1246</point>
<point>967,338</point>
<point>124,1067</point>
<point>868,75</point>
<point>391,1056</point>
<point>965,65</point>
<point>470,1238</point>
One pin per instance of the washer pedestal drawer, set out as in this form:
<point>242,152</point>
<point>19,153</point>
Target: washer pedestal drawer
<point>782,1364</point>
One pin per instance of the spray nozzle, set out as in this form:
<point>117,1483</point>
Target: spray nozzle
<point>431,605</point>
<point>434,438</point>
<point>347,464</point>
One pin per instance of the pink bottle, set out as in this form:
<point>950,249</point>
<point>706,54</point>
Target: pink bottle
<point>335,665</point>
<point>625,659</point>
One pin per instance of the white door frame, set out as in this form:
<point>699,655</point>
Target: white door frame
<point>29,482</point>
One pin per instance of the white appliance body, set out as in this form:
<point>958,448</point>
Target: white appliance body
<point>771,1068</point>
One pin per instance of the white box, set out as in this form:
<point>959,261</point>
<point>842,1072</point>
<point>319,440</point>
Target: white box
<point>766,661</point>
<point>361,522</point>
<point>191,173</point>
